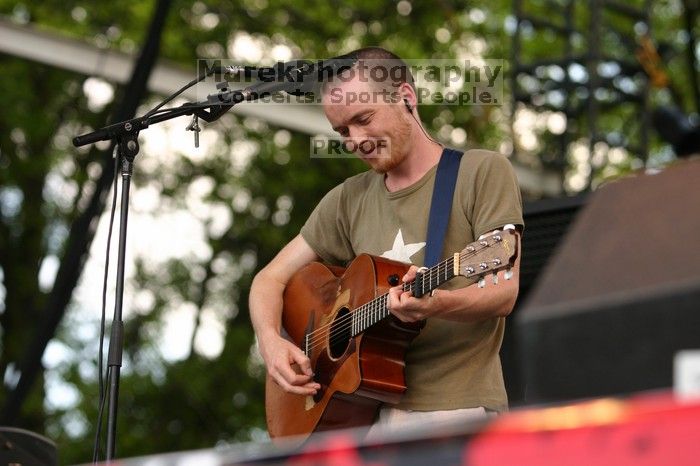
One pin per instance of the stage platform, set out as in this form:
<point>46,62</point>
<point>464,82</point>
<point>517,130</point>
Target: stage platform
<point>646,429</point>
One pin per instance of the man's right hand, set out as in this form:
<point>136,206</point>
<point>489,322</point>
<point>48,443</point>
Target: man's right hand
<point>288,366</point>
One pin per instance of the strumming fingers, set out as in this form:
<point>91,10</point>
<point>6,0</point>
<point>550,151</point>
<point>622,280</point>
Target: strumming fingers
<point>300,385</point>
<point>302,361</point>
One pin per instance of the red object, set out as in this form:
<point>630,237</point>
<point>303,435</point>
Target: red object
<point>648,430</point>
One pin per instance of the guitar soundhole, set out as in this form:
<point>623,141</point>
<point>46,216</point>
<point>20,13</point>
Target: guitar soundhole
<point>339,335</point>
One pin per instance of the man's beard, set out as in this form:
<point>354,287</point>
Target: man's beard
<point>399,141</point>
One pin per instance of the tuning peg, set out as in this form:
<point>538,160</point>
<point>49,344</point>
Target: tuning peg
<point>495,278</point>
<point>509,274</point>
<point>482,282</point>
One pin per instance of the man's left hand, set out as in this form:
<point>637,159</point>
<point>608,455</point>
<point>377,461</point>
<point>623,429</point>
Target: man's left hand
<point>407,308</point>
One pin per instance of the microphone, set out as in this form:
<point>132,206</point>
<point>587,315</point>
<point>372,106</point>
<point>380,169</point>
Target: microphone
<point>298,77</point>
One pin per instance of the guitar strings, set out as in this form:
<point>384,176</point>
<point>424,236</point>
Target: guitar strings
<point>364,312</point>
<point>338,327</point>
<point>367,313</point>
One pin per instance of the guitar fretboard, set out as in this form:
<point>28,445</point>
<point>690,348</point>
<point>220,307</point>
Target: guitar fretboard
<point>372,312</point>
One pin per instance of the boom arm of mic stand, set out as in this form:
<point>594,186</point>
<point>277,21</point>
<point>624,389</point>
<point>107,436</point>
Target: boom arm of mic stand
<point>207,111</point>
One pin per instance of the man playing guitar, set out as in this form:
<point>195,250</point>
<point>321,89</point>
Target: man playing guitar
<point>452,368</point>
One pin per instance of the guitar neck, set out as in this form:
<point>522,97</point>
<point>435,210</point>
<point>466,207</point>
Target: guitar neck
<point>489,254</point>
<point>372,312</point>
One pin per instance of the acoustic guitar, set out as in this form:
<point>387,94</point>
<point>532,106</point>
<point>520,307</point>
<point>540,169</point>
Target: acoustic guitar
<point>339,318</point>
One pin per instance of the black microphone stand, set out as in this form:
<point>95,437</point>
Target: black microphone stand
<point>127,149</point>
<point>125,136</point>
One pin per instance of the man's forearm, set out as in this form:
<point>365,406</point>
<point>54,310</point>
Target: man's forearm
<point>473,303</point>
<point>265,303</point>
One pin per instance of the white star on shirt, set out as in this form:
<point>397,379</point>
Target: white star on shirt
<point>400,251</point>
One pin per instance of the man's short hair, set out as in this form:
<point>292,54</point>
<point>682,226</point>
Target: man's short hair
<point>382,69</point>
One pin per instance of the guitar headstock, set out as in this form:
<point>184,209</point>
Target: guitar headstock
<point>493,252</point>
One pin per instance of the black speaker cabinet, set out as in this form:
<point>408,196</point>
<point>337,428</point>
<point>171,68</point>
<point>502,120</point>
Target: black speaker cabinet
<point>24,448</point>
<point>546,222</point>
<point>622,293</point>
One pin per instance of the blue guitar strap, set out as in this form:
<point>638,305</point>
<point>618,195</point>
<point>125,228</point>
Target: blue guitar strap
<point>441,204</point>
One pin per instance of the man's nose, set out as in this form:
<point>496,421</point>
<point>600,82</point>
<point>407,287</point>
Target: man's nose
<point>355,136</point>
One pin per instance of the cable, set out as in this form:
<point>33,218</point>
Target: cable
<point>177,93</point>
<point>424,132</point>
<point>181,90</point>
<point>100,361</point>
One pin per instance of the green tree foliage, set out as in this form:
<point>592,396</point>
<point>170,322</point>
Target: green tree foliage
<point>248,195</point>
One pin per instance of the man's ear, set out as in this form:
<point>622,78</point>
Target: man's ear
<point>408,95</point>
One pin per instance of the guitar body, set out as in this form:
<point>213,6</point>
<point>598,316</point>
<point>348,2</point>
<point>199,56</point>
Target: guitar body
<point>357,373</point>
<point>338,317</point>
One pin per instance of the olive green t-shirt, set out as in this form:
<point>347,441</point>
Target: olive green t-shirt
<point>450,364</point>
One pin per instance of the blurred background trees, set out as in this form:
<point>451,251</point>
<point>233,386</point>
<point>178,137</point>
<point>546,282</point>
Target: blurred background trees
<point>204,220</point>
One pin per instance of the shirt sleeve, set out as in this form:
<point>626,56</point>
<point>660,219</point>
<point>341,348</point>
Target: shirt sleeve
<point>326,229</point>
<point>496,196</point>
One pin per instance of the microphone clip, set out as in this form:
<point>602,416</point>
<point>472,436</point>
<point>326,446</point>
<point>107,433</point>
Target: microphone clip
<point>194,126</point>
